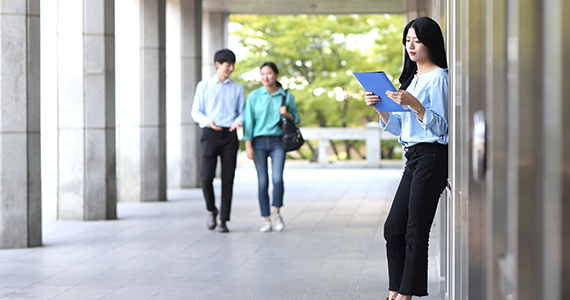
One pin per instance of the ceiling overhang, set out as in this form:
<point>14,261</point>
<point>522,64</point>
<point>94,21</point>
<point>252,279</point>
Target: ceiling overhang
<point>304,6</point>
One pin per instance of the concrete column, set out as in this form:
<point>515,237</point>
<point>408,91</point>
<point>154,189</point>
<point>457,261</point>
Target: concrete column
<point>214,37</point>
<point>373,144</point>
<point>190,62</point>
<point>184,61</point>
<point>86,110</point>
<point>417,8</point>
<point>142,100</point>
<point>555,150</point>
<point>324,151</point>
<point>153,100</point>
<point>20,176</point>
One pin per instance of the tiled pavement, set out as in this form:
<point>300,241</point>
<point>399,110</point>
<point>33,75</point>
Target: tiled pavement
<point>332,246</point>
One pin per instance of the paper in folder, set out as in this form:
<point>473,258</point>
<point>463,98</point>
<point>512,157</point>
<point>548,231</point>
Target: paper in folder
<point>378,83</point>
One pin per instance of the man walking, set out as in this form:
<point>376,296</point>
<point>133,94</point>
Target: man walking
<point>219,110</point>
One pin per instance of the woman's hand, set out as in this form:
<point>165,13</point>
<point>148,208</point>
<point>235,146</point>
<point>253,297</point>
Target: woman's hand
<point>283,111</point>
<point>249,150</point>
<point>402,97</point>
<point>371,99</point>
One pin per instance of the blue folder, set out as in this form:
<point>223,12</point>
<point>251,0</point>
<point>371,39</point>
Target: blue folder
<point>378,83</point>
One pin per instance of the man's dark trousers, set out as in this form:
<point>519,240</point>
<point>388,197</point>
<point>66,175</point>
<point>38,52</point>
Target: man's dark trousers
<point>225,144</point>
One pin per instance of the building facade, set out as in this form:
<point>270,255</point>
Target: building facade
<point>501,219</point>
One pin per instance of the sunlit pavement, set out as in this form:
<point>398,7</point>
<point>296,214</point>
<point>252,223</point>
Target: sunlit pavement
<point>332,246</point>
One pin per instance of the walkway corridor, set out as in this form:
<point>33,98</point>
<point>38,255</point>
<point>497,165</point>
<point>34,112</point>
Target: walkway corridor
<point>332,246</point>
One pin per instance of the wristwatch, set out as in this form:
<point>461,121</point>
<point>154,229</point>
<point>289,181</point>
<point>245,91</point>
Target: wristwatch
<point>418,111</point>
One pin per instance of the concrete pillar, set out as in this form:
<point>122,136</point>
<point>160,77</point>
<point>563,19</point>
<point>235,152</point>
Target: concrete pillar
<point>20,176</point>
<point>184,61</point>
<point>214,37</point>
<point>324,144</point>
<point>86,110</point>
<point>142,100</point>
<point>556,149</point>
<point>373,144</point>
<point>417,8</point>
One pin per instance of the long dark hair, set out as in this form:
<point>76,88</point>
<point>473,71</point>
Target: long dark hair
<point>429,33</point>
<point>275,70</point>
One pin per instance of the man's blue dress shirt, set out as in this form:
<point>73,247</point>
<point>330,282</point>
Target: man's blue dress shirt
<point>222,102</point>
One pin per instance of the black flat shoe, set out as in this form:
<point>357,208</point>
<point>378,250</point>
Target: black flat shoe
<point>223,228</point>
<point>211,223</point>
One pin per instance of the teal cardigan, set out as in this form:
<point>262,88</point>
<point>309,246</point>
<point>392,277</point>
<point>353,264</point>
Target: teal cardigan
<point>262,113</point>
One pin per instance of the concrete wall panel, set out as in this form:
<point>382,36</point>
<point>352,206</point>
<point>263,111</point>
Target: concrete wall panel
<point>94,15</point>
<point>86,98</point>
<point>71,163</point>
<point>111,179</point>
<point>13,168</point>
<point>153,178</point>
<point>70,81</point>
<point>96,174</point>
<point>110,96</point>
<point>13,7</point>
<point>34,190</point>
<point>184,72</point>
<point>20,166</point>
<point>13,77</point>
<point>33,57</point>
<point>129,175</point>
<point>142,165</point>
<point>173,75</point>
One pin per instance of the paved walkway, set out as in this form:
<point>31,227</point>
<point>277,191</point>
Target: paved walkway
<point>332,246</point>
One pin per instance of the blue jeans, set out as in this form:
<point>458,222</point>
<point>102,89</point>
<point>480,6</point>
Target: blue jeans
<point>263,147</point>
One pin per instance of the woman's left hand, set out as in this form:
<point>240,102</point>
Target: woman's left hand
<point>249,150</point>
<point>283,111</point>
<point>402,97</point>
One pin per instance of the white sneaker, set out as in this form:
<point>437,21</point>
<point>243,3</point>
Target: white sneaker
<point>279,225</point>
<point>266,227</point>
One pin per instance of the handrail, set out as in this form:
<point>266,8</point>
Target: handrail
<point>372,134</point>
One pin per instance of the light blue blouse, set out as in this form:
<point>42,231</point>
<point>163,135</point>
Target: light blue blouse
<point>262,113</point>
<point>431,90</point>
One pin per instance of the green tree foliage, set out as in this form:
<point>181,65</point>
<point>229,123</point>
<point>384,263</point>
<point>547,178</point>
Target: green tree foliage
<point>316,55</point>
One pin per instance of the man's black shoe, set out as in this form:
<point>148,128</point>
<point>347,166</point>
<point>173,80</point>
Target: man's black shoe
<point>212,220</point>
<point>222,227</point>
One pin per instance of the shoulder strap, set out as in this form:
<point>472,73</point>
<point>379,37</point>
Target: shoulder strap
<point>284,99</point>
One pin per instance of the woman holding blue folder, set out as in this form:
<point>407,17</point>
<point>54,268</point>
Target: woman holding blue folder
<point>423,131</point>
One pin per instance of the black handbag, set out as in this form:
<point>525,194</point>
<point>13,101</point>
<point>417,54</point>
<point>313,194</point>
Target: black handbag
<point>292,138</point>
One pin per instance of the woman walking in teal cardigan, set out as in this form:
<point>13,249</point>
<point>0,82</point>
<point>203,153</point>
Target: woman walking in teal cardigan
<point>262,136</point>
